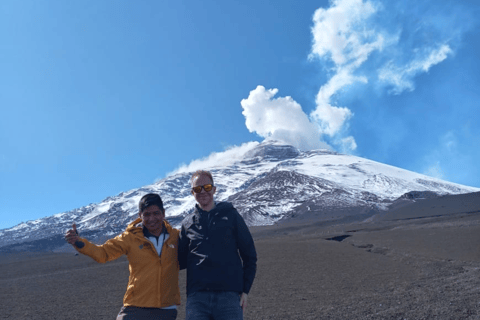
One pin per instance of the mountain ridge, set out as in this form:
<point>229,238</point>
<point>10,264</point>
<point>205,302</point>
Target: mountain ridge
<point>272,182</point>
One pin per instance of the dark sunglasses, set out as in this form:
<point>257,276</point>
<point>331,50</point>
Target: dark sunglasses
<point>207,188</point>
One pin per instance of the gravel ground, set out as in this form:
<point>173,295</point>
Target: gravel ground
<point>404,269</point>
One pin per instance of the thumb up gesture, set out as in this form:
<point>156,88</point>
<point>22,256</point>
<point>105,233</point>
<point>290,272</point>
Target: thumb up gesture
<point>72,235</point>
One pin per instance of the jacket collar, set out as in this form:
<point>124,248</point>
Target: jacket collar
<point>200,211</point>
<point>148,234</point>
<point>137,227</point>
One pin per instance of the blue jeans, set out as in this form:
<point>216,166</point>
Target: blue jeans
<point>214,305</point>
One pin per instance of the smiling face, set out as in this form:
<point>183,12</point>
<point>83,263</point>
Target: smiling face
<point>152,218</point>
<point>204,198</point>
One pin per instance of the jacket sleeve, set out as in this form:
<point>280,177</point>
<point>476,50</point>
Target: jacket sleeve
<point>183,244</point>
<point>112,249</point>
<point>246,248</point>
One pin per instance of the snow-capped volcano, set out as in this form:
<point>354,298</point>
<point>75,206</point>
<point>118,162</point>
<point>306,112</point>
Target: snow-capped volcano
<point>271,182</point>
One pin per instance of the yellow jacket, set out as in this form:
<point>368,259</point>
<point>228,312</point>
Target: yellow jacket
<point>153,281</point>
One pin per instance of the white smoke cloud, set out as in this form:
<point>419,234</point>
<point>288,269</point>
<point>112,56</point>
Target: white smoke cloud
<point>343,34</point>
<point>217,159</point>
<point>347,144</point>
<point>349,32</point>
<point>401,78</point>
<point>340,33</point>
<point>280,119</point>
<point>449,141</point>
<point>345,37</point>
<point>435,171</point>
<point>331,118</point>
<point>271,118</point>
<point>442,155</point>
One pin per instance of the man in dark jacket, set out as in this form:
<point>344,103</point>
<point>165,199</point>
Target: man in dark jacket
<point>218,251</point>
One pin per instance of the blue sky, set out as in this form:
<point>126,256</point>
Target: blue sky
<point>100,97</point>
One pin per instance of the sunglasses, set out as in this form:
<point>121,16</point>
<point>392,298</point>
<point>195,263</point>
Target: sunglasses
<point>207,188</point>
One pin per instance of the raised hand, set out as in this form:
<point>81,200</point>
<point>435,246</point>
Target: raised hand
<point>72,235</point>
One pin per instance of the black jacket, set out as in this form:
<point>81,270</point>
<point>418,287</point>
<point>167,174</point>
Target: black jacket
<point>210,247</point>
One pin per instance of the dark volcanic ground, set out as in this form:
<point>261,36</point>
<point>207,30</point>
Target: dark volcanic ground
<point>420,261</point>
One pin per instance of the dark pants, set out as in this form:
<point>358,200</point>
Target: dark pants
<point>220,305</point>
<point>137,313</point>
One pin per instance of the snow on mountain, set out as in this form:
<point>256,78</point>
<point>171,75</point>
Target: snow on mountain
<point>271,182</point>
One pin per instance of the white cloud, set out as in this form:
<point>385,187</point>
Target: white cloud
<point>449,141</point>
<point>346,36</point>
<point>343,34</point>
<point>217,159</point>
<point>281,119</point>
<point>435,57</point>
<point>401,78</point>
<point>348,144</point>
<point>447,153</point>
<point>335,32</point>
<point>435,171</point>
<point>331,118</point>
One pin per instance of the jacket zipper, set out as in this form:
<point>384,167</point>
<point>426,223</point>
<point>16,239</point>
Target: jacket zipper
<point>152,246</point>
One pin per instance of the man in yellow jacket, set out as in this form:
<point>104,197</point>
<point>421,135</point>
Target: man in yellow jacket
<point>151,245</point>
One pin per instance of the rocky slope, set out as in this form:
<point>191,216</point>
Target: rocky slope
<point>273,182</point>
